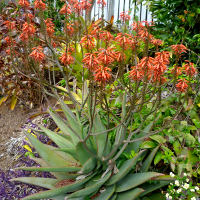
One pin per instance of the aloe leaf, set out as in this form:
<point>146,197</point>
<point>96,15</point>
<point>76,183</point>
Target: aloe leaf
<point>72,121</point>
<point>58,139</point>
<point>124,170</point>
<point>133,180</point>
<point>50,169</point>
<point>52,158</point>
<point>153,186</point>
<point>130,194</point>
<point>42,182</point>
<point>149,159</point>
<point>82,153</point>
<point>114,197</point>
<point>59,191</point>
<point>101,138</point>
<point>91,189</point>
<point>106,195</point>
<point>72,152</point>
<point>124,107</point>
<point>89,165</point>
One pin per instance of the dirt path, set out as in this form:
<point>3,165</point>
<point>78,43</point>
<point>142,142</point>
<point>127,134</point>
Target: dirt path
<point>10,123</point>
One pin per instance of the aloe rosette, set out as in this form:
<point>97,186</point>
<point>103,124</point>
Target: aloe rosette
<point>83,163</point>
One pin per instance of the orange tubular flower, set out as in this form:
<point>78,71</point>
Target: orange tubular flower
<point>182,85</point>
<point>124,16</point>
<point>177,71</point>
<point>85,5</point>
<point>10,25</point>
<point>27,31</point>
<point>102,74</point>
<point>37,54</point>
<point>106,56</point>
<point>136,74</point>
<point>125,40</point>
<point>49,26</point>
<point>66,9</point>
<point>101,2</point>
<point>88,42</point>
<point>178,49</point>
<point>189,68</point>
<point>90,61</point>
<point>39,4</point>
<point>156,42</point>
<point>66,59</point>
<point>24,3</point>
<point>105,36</point>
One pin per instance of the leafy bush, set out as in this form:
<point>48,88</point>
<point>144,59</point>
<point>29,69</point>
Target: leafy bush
<point>115,84</point>
<point>178,22</point>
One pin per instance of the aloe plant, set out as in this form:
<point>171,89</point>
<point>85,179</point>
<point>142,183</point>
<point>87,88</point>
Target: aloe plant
<point>87,156</point>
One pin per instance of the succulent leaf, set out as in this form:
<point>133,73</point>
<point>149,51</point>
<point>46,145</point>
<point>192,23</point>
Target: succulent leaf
<point>60,190</point>
<point>58,139</point>
<point>89,165</point>
<point>106,195</point>
<point>91,189</point>
<point>124,170</point>
<point>134,180</point>
<point>51,169</point>
<point>130,194</point>
<point>42,182</point>
<point>149,159</point>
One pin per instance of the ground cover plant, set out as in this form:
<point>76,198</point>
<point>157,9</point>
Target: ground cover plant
<point>117,96</point>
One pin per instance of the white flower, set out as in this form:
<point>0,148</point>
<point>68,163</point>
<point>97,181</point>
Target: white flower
<point>172,174</point>
<point>177,183</point>
<point>184,174</point>
<point>170,197</point>
<point>193,198</point>
<point>192,190</point>
<point>186,186</point>
<point>167,195</point>
<point>196,188</point>
<point>179,190</point>
<point>187,180</point>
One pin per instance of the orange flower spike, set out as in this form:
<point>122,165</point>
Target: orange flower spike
<point>88,42</point>
<point>136,74</point>
<point>102,74</point>
<point>37,54</point>
<point>101,2</point>
<point>189,68</point>
<point>124,16</point>
<point>49,26</point>
<point>28,28</point>
<point>179,49</point>
<point>163,57</point>
<point>90,61</point>
<point>182,85</point>
<point>39,4</point>
<point>66,59</point>
<point>66,9</point>
<point>178,71</point>
<point>24,3</point>
<point>10,25</point>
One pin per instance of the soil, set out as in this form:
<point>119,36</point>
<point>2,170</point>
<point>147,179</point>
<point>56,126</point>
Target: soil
<point>10,123</point>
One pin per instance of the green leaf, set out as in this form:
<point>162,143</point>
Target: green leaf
<point>106,195</point>
<point>91,189</point>
<point>50,169</point>
<point>134,180</point>
<point>148,144</point>
<point>72,122</point>
<point>148,161</point>
<point>89,165</point>
<point>148,188</point>
<point>51,157</point>
<point>124,169</point>
<point>130,195</point>
<point>58,139</point>
<point>158,138</point>
<point>42,182</point>
<point>82,153</point>
<point>189,139</point>
<point>58,191</point>
<point>158,158</point>
<point>101,138</point>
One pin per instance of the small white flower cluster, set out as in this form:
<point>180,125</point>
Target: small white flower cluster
<point>180,187</point>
